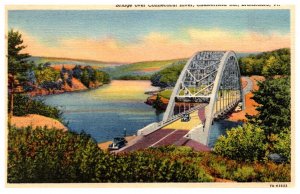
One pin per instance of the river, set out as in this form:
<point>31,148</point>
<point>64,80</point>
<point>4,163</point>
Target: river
<point>105,112</point>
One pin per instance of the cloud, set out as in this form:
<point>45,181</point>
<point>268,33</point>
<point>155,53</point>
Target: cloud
<point>157,45</point>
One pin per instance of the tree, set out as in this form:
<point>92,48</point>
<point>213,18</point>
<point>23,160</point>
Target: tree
<point>157,104</point>
<point>242,143</point>
<point>85,78</point>
<point>77,71</point>
<point>168,76</point>
<point>46,74</point>
<point>282,144</point>
<point>106,78</point>
<point>18,66</point>
<point>274,107</point>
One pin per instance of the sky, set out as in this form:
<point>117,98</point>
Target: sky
<point>145,35</point>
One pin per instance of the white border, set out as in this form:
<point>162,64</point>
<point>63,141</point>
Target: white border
<point>143,190</point>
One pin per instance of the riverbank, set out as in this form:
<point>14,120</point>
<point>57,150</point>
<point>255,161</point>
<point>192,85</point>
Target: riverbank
<point>75,87</point>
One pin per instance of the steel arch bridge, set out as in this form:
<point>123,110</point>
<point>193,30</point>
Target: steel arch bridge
<point>208,87</point>
<point>211,78</point>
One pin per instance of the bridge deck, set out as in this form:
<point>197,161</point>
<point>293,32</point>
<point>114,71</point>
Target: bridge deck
<point>192,123</point>
<point>172,134</point>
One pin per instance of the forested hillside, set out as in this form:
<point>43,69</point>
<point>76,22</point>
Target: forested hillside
<point>277,62</point>
<point>271,63</point>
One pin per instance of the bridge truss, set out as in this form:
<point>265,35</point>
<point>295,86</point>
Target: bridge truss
<point>211,77</point>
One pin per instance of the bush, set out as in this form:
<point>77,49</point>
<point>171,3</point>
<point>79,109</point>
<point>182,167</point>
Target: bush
<point>52,156</point>
<point>143,167</point>
<point>24,105</point>
<point>49,155</point>
<point>244,174</point>
<point>245,143</point>
<point>282,145</point>
<point>240,171</point>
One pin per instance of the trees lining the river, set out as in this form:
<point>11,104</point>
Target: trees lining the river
<point>274,120</point>
<point>25,76</point>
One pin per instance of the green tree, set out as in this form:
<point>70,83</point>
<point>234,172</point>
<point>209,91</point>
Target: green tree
<point>282,144</point>
<point>158,104</point>
<point>46,74</point>
<point>274,107</point>
<point>25,105</point>
<point>85,78</point>
<point>18,66</point>
<point>271,63</point>
<point>168,76</point>
<point>242,143</point>
<point>106,77</point>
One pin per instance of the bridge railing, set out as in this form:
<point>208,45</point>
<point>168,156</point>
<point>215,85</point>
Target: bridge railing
<point>228,108</point>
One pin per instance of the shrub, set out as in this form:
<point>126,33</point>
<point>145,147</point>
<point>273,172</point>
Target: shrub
<point>244,174</point>
<point>48,155</point>
<point>24,105</point>
<point>240,171</point>
<point>148,166</point>
<point>245,143</point>
<point>276,173</point>
<point>52,156</point>
<point>282,145</point>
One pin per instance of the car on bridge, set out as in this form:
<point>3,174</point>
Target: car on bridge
<point>239,107</point>
<point>185,117</point>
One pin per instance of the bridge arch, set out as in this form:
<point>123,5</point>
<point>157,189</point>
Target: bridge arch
<point>212,78</point>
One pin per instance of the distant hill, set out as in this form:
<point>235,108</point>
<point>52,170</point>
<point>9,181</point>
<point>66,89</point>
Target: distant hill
<point>58,61</point>
<point>118,70</point>
<point>139,68</point>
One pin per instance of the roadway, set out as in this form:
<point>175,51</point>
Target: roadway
<point>174,133</point>
<point>249,85</point>
<point>171,134</point>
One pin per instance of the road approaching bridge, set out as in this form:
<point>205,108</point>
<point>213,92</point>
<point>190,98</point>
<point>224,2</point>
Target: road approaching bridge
<point>208,87</point>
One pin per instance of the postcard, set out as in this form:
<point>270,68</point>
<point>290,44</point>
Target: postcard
<point>150,95</point>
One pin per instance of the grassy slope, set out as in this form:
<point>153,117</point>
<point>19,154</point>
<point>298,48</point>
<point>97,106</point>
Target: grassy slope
<point>166,93</point>
<point>139,68</point>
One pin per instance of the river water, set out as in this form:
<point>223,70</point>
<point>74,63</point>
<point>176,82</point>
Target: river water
<point>105,112</point>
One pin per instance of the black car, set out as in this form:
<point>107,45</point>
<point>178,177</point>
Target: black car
<point>117,143</point>
<point>185,118</point>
